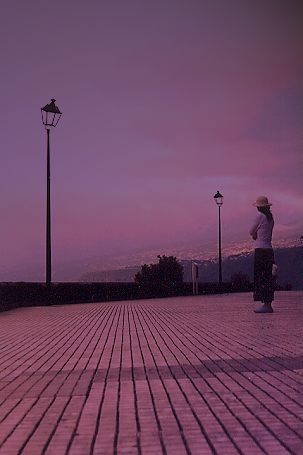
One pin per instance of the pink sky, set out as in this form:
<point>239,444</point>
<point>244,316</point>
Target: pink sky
<point>164,102</point>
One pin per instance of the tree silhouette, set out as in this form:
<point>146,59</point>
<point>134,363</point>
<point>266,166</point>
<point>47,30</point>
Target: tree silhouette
<point>166,273</point>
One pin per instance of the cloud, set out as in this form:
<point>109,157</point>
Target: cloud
<point>164,103</point>
<point>281,117</point>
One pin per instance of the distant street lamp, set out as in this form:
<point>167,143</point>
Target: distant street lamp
<point>50,118</point>
<point>219,201</point>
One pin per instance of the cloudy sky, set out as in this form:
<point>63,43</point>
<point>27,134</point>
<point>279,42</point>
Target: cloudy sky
<point>164,102</point>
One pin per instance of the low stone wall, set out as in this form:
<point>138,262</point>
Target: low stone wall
<point>14,295</point>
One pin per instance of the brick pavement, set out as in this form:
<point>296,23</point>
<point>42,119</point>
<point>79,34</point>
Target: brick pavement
<point>188,375</point>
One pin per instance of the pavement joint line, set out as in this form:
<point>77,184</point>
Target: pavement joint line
<point>282,442</point>
<point>119,387</point>
<point>56,373</point>
<point>187,375</point>
<point>113,314</point>
<point>270,411</point>
<point>54,429</point>
<point>138,427</point>
<point>172,408</point>
<point>57,330</point>
<point>296,362</point>
<point>189,403</point>
<point>240,360</point>
<point>152,397</point>
<point>274,359</point>
<point>93,442</point>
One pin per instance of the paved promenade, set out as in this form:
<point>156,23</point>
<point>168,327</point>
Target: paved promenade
<point>188,375</point>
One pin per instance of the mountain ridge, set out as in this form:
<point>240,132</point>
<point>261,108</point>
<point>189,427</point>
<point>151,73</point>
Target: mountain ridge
<point>288,259</point>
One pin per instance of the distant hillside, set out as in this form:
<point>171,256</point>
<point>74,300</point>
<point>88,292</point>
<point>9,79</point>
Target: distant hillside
<point>289,260</point>
<point>124,275</point>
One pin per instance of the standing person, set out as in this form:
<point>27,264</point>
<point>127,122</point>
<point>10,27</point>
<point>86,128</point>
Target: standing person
<point>261,232</point>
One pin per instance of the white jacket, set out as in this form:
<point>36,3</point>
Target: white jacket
<point>263,230</point>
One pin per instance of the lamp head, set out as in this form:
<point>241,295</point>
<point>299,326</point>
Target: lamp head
<point>218,198</point>
<point>50,114</point>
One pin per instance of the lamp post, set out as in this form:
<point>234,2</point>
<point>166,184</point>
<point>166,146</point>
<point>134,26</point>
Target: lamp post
<point>219,201</point>
<point>50,118</point>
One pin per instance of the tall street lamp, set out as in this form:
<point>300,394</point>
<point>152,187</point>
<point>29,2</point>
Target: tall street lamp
<point>219,201</point>
<point>50,118</point>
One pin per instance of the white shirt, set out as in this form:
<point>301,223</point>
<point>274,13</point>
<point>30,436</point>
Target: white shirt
<point>263,230</point>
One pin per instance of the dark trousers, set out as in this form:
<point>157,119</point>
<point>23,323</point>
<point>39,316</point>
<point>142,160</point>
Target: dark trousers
<point>263,279</point>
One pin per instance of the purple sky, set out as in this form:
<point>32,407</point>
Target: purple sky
<point>164,102</point>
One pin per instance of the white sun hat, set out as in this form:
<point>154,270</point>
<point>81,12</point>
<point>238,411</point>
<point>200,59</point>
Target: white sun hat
<point>262,201</point>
